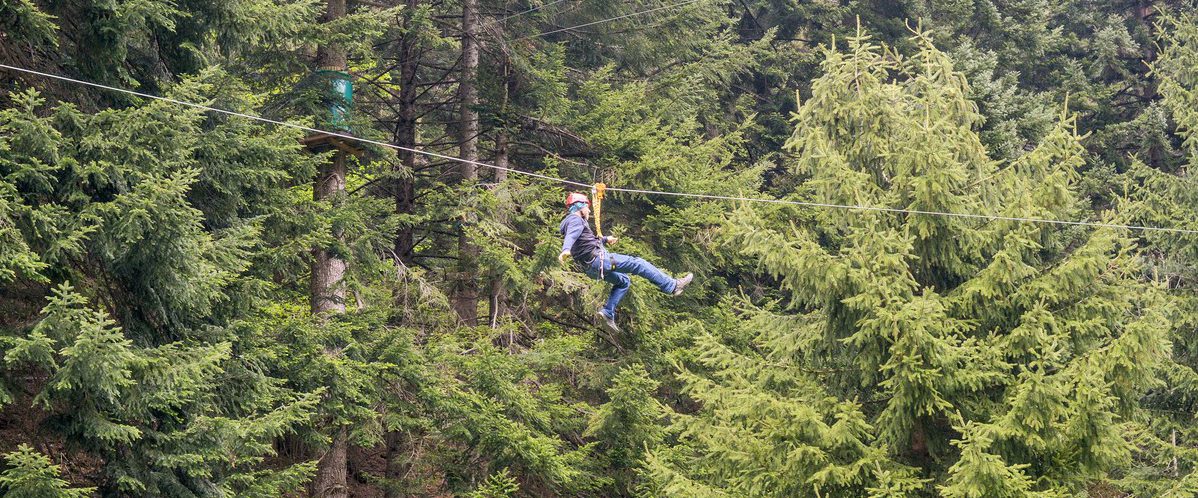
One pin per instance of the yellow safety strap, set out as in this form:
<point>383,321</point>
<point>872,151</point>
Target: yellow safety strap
<point>597,195</point>
<point>597,200</point>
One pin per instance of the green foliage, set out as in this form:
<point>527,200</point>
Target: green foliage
<point>1160,193</point>
<point>26,23</point>
<point>32,475</point>
<point>96,370</point>
<point>116,202</point>
<point>498,485</point>
<point>155,260</point>
<point>979,473</point>
<point>501,416</point>
<point>927,322</point>
<point>628,425</point>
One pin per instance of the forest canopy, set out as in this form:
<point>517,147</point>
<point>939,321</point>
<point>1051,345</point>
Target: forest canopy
<point>272,248</point>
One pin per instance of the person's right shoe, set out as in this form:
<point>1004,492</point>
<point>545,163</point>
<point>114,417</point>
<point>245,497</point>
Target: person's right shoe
<point>608,323</point>
<point>681,283</point>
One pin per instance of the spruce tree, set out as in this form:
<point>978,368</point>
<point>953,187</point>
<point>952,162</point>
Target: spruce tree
<point>130,344</point>
<point>156,276</point>
<point>1161,193</point>
<point>912,352</point>
<point>32,475</point>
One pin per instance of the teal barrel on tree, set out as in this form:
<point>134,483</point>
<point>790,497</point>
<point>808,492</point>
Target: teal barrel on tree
<point>340,97</point>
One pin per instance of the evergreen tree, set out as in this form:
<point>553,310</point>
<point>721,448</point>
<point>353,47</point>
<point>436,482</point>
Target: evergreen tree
<point>996,357</point>
<point>156,262</point>
<point>1161,193</point>
<point>629,424</point>
<point>31,475</point>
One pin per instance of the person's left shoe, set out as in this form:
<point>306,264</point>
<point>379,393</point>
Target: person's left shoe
<point>608,323</point>
<point>681,283</point>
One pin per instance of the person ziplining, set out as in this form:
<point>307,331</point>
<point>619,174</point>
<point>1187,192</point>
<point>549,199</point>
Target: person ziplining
<point>590,253</point>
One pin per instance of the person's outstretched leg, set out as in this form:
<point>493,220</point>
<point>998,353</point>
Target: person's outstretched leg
<point>620,263</point>
<point>620,283</point>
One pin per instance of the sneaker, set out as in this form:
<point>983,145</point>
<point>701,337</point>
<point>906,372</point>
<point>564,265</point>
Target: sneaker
<point>681,283</point>
<point>608,323</point>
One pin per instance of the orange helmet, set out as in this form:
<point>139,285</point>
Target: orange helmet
<point>576,197</point>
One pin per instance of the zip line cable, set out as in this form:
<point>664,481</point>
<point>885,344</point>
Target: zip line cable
<point>848,207</point>
<point>988,217</point>
<point>601,21</point>
<point>529,11</point>
<point>283,123</point>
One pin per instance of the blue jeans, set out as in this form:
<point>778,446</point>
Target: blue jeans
<point>616,268</point>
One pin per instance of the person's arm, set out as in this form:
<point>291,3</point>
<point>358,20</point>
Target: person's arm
<point>573,229</point>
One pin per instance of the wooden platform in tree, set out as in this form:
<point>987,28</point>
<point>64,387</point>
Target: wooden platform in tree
<point>321,142</point>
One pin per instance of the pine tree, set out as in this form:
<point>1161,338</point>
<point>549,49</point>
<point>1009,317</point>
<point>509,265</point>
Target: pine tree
<point>156,262</point>
<point>500,485</point>
<point>32,475</point>
<point>902,340</point>
<point>140,368</point>
<point>628,425</point>
<point>1161,193</point>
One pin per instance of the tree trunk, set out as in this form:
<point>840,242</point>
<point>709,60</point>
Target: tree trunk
<point>465,295</point>
<point>502,138</point>
<point>328,274</point>
<point>405,135</point>
<point>405,203</point>
<point>328,270</point>
<point>1156,156</point>
<point>395,468</point>
<point>331,474</point>
<point>332,57</point>
<point>468,89</point>
<point>919,441</point>
<point>501,155</point>
<point>497,294</point>
<point>502,159</point>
